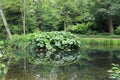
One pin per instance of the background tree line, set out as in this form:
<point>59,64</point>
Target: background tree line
<point>77,16</point>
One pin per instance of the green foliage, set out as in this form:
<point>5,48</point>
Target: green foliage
<point>1,44</point>
<point>12,8</point>
<point>82,16</point>
<point>55,41</point>
<point>48,16</point>
<point>3,52</point>
<point>117,31</point>
<point>21,41</point>
<point>47,44</point>
<point>114,72</point>
<point>108,8</point>
<point>13,11</point>
<point>80,28</point>
<point>51,17</point>
<point>103,11</point>
<point>3,70</point>
<point>46,41</point>
<point>3,67</point>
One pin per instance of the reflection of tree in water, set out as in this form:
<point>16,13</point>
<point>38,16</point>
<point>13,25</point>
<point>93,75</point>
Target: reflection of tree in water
<point>73,77</point>
<point>69,57</point>
<point>59,58</point>
<point>77,65</point>
<point>53,75</point>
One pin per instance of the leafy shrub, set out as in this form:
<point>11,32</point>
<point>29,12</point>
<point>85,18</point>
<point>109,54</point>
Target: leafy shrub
<point>117,31</point>
<point>72,28</point>
<point>46,41</point>
<point>1,44</point>
<point>114,72</point>
<point>22,41</point>
<point>3,55</point>
<point>55,41</point>
<point>80,28</point>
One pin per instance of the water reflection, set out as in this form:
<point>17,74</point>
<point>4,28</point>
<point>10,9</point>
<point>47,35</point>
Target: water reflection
<point>60,58</point>
<point>67,65</point>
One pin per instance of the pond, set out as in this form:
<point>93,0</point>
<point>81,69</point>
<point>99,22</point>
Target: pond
<point>85,64</point>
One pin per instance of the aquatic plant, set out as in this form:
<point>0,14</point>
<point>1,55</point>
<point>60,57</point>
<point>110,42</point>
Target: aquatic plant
<point>114,72</point>
<point>55,41</point>
<point>51,41</point>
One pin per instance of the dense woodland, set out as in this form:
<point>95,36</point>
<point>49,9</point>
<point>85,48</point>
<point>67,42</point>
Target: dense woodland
<point>76,16</point>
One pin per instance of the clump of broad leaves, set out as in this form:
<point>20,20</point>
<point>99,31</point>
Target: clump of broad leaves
<point>55,41</point>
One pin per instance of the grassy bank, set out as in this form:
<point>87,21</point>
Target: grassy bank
<point>98,35</point>
<point>106,43</point>
<point>101,41</point>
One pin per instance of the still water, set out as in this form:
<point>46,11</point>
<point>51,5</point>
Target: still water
<point>72,65</point>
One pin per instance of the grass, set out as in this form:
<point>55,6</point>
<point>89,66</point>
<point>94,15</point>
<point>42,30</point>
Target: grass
<point>101,41</point>
<point>98,36</point>
<point>106,42</point>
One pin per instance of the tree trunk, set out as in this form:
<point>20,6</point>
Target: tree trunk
<point>5,23</point>
<point>110,25</point>
<point>24,16</point>
<point>65,18</point>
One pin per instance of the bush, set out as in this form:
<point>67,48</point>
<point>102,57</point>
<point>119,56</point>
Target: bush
<point>117,31</point>
<point>3,56</point>
<point>21,41</point>
<point>55,41</point>
<point>80,28</point>
<point>72,28</point>
<point>49,41</point>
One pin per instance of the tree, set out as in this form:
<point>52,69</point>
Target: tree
<point>24,16</point>
<point>107,9</point>
<point>29,16</point>
<point>66,8</point>
<point>14,9</point>
<point>47,15</point>
<point>5,23</point>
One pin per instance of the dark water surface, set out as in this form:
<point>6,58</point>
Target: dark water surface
<point>90,65</point>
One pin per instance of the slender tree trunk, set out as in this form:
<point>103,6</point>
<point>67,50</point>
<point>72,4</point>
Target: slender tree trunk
<point>65,18</point>
<point>24,27</point>
<point>5,23</point>
<point>110,25</point>
<point>24,17</point>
